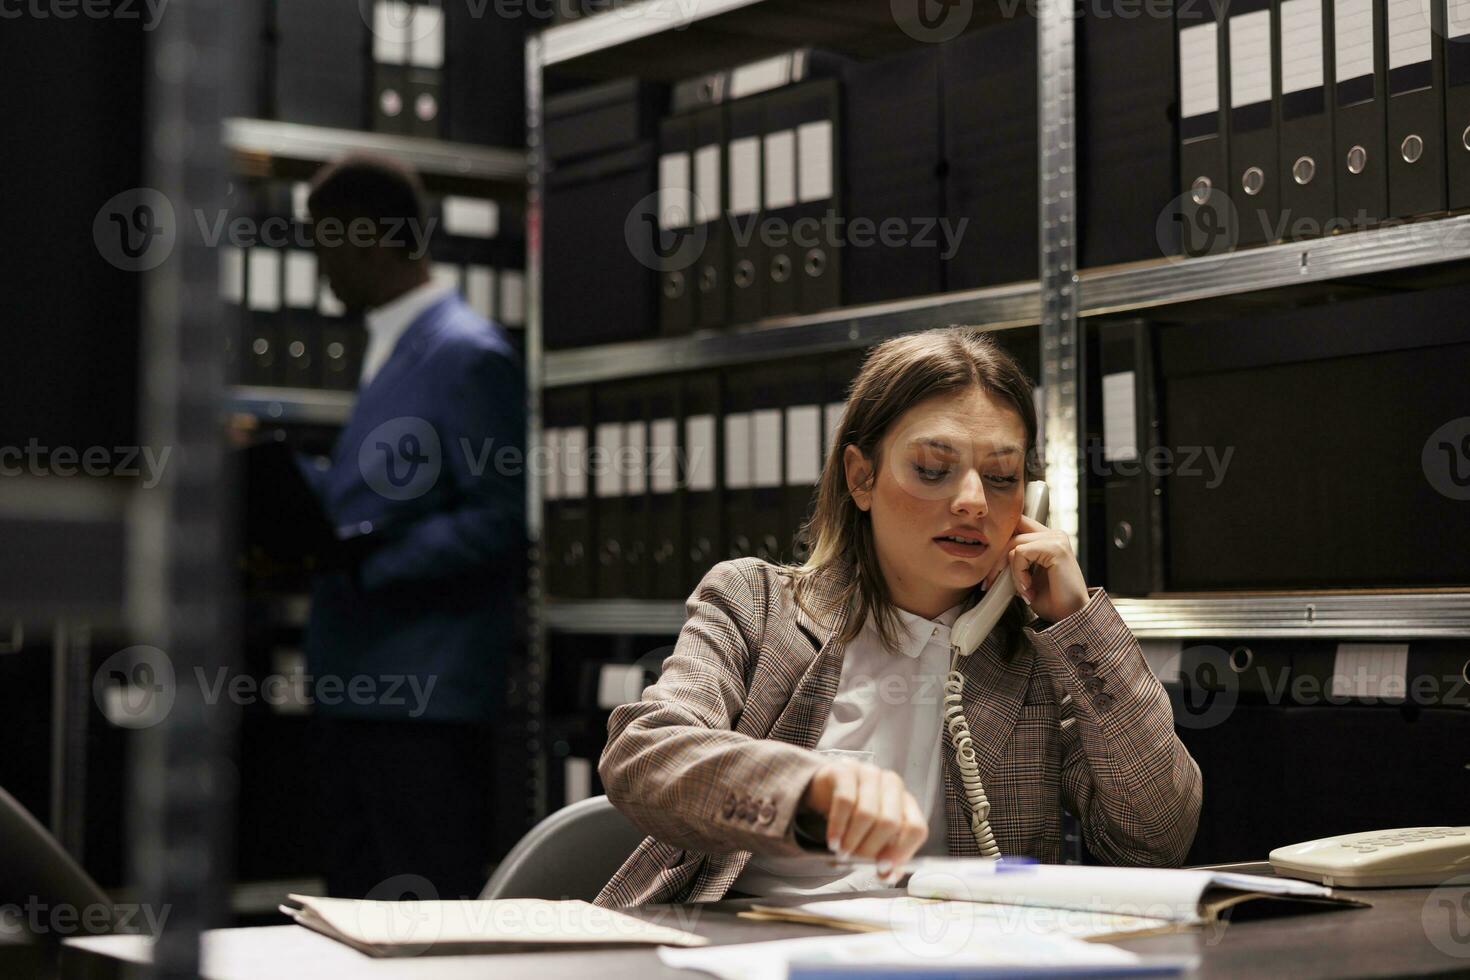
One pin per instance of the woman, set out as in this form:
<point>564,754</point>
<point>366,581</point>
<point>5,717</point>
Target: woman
<point>807,700</point>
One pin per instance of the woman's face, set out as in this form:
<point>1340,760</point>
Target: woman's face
<point>952,466</point>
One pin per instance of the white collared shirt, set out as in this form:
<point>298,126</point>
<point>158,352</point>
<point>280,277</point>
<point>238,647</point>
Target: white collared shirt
<point>386,324</point>
<point>889,711</point>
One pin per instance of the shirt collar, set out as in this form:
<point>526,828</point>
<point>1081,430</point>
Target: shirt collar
<point>392,318</point>
<point>916,632</point>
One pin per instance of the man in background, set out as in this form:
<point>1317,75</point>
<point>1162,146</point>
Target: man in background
<point>409,643</point>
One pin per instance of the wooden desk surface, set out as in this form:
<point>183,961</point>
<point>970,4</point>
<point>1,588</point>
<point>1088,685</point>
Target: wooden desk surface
<point>1407,932</point>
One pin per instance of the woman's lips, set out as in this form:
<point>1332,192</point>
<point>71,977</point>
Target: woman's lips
<point>960,550</point>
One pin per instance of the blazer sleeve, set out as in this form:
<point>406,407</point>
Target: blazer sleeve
<point>673,763</point>
<point>1125,773</point>
<point>485,525</point>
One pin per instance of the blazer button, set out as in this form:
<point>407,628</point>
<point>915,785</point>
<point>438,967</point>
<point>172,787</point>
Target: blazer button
<point>728,810</point>
<point>1076,651</point>
<point>1086,668</point>
<point>767,814</point>
<point>1102,699</point>
<point>1094,685</point>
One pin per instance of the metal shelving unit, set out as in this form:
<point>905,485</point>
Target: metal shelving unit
<point>257,144</point>
<point>307,406</point>
<point>670,39</point>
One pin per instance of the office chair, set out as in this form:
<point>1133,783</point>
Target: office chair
<point>35,868</point>
<point>570,854</point>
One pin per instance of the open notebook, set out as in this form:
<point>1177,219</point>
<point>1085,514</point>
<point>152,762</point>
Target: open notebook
<point>466,927</point>
<point>1083,902</point>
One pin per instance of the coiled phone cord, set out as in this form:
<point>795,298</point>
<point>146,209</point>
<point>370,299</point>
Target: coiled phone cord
<point>964,753</point>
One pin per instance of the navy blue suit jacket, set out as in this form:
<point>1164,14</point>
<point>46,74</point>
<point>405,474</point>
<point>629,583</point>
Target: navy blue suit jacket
<point>431,468</point>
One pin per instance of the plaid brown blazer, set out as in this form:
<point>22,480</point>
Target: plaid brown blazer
<point>714,759</point>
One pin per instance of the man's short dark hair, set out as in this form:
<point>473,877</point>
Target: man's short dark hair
<point>363,186</point>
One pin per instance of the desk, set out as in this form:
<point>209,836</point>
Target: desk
<point>1388,940</point>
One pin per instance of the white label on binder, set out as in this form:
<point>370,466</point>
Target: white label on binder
<point>1199,62</point>
<point>445,274</point>
<point>471,217</point>
<point>231,274</point>
<point>707,184</point>
<point>619,684</point>
<point>1352,27</point>
<point>803,444</point>
<point>512,298</point>
<point>554,463</point>
<point>1301,45</point>
<point>1250,58</point>
<point>673,191</point>
<point>1409,38</point>
<point>264,281</point>
<point>1457,23</point>
<point>426,34</point>
<point>300,195</point>
<point>780,162</point>
<point>699,437</point>
<point>577,779</point>
<point>301,279</point>
<point>831,422</point>
<point>635,458</point>
<point>663,475</point>
<point>766,431</point>
<point>574,463</point>
<point>327,303</point>
<point>390,32</point>
<point>737,450</point>
<point>760,76</point>
<point>745,175</point>
<point>1120,421</point>
<point>1370,670</point>
<point>610,459</point>
<point>479,289</point>
<point>814,154</point>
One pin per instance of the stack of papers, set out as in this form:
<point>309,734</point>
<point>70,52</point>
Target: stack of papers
<point>466,927</point>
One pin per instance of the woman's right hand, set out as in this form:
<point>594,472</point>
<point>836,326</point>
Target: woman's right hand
<point>869,813</point>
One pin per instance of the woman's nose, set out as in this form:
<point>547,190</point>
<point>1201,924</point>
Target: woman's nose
<point>971,496</point>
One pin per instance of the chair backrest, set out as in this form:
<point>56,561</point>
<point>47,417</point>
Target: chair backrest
<point>35,868</point>
<point>570,854</point>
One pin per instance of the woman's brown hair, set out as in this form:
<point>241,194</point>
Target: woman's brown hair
<point>896,375</point>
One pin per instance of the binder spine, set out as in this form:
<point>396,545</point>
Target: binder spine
<point>1360,157</point>
<point>1255,184</point>
<point>1457,102</point>
<point>1416,159</point>
<point>1307,198</point>
<point>1206,213</point>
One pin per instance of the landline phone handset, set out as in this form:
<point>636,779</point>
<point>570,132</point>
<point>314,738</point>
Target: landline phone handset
<point>965,637</point>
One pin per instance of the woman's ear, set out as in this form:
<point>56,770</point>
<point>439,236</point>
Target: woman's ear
<point>859,476</point>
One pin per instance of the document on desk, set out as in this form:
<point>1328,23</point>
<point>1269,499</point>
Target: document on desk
<point>465,927</point>
<point>1076,901</point>
<point>905,955</point>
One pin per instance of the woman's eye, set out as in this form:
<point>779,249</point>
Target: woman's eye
<point>1004,481</point>
<point>930,475</point>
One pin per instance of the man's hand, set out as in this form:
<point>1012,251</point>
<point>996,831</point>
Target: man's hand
<point>869,814</point>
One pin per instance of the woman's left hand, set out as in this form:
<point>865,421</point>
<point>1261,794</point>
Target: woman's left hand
<point>1045,571</point>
